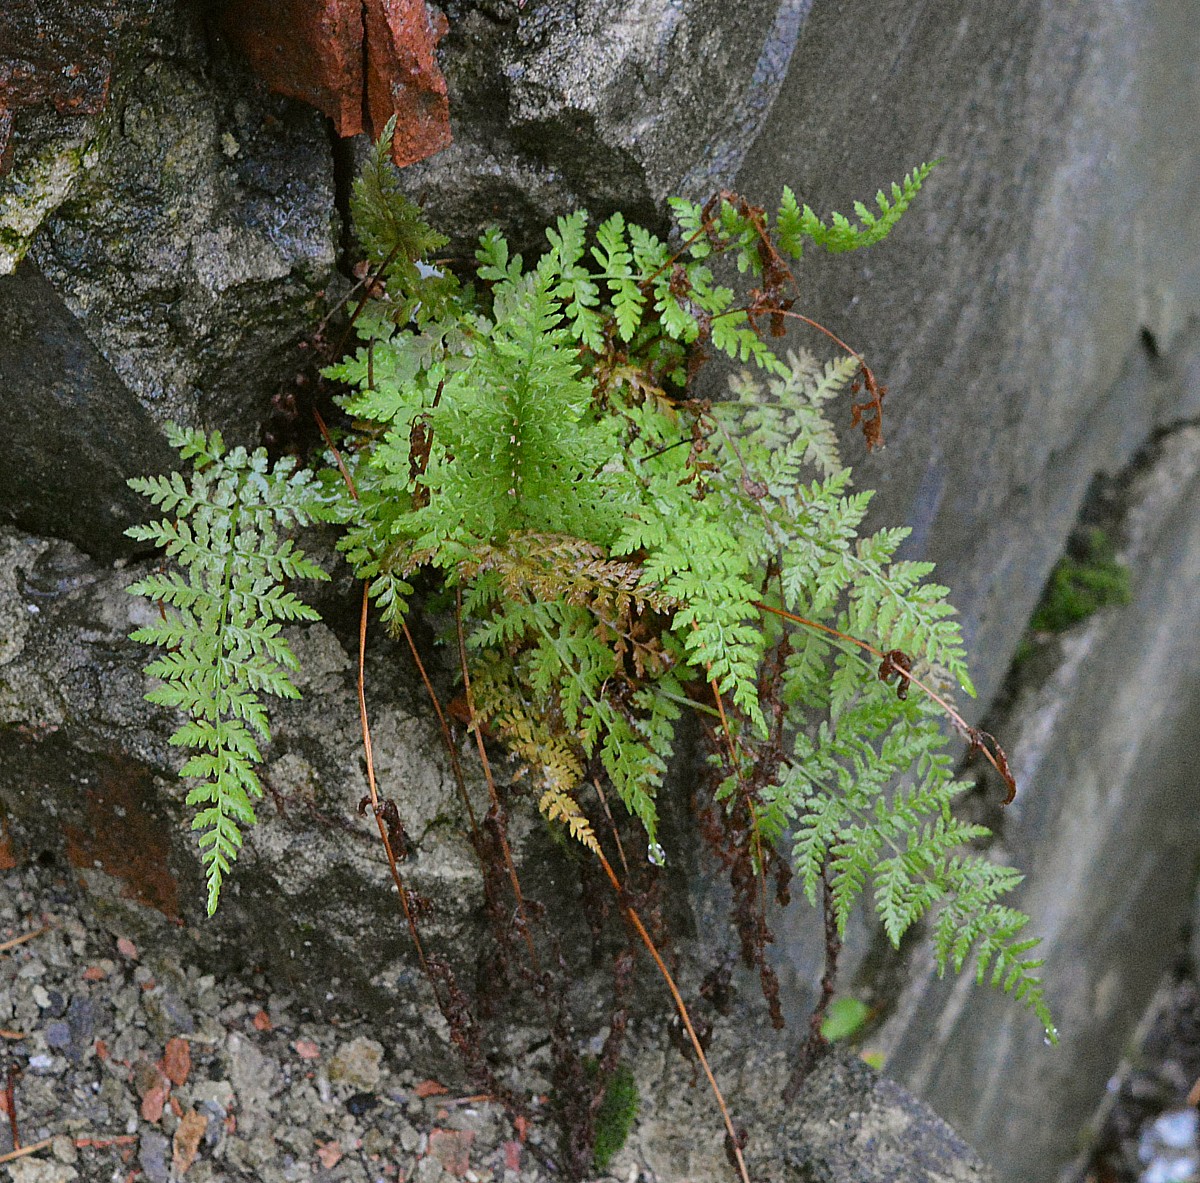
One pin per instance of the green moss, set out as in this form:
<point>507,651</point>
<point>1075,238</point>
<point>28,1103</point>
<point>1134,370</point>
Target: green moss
<point>614,1118</point>
<point>1081,583</point>
<point>41,180</point>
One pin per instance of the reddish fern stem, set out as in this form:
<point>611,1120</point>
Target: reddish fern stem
<point>973,735</point>
<point>369,752</point>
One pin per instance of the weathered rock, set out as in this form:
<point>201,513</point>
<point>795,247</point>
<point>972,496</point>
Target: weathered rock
<point>55,54</point>
<point>600,104</point>
<point>193,255</point>
<point>1105,825</point>
<point>854,1126</point>
<point>74,431</point>
<point>1004,310</point>
<point>55,153</point>
<point>86,772</point>
<point>57,65</point>
<point>849,1124</point>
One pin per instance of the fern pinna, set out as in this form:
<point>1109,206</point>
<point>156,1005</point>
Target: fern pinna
<point>621,550</point>
<point>224,649</point>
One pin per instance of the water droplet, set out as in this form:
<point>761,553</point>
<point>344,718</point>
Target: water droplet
<point>656,854</point>
<point>1051,1037</point>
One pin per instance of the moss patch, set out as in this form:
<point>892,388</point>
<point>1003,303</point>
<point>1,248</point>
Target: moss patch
<point>614,1118</point>
<point>1086,579</point>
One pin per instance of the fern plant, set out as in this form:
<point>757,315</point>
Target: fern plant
<point>224,648</point>
<point>619,551</point>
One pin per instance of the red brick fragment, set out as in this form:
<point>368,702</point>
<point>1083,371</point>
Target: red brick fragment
<point>306,49</point>
<point>512,1156</point>
<point>186,1141</point>
<point>330,1154</point>
<point>154,1100</point>
<point>403,79</point>
<point>314,50</point>
<point>177,1061</point>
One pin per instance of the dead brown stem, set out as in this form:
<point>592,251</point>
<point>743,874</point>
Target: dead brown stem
<point>13,942</point>
<point>636,921</point>
<point>369,753</point>
<point>509,865</point>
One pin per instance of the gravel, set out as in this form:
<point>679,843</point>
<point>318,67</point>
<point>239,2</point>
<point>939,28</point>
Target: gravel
<point>125,1063</point>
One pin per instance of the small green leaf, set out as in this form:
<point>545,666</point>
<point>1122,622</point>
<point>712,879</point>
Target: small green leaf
<point>844,1018</point>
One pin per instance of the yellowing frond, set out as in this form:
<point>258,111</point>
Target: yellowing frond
<point>558,806</point>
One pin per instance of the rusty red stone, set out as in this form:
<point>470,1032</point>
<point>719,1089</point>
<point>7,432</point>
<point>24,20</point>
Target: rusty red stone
<point>310,50</point>
<point>360,63</point>
<point>55,53</point>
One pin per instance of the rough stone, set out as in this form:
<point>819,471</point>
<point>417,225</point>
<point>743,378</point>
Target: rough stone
<point>57,54</point>
<point>39,1170</point>
<point>357,1063</point>
<point>192,253</point>
<point>1006,308</point>
<point>57,62</point>
<point>600,104</point>
<point>153,1155</point>
<point>849,1124</point>
<point>63,477</point>
<point>253,1081</point>
<point>854,1126</point>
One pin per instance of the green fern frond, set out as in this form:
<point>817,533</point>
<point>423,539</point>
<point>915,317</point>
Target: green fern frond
<point>533,446</point>
<point>389,227</point>
<point>222,615</point>
<point>795,224</point>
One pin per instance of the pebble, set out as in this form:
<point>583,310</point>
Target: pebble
<point>358,1063</point>
<point>429,1170</point>
<point>40,1170</point>
<point>1168,1148</point>
<point>58,1035</point>
<point>81,1020</point>
<point>361,1103</point>
<point>64,1149</point>
<point>153,1149</point>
